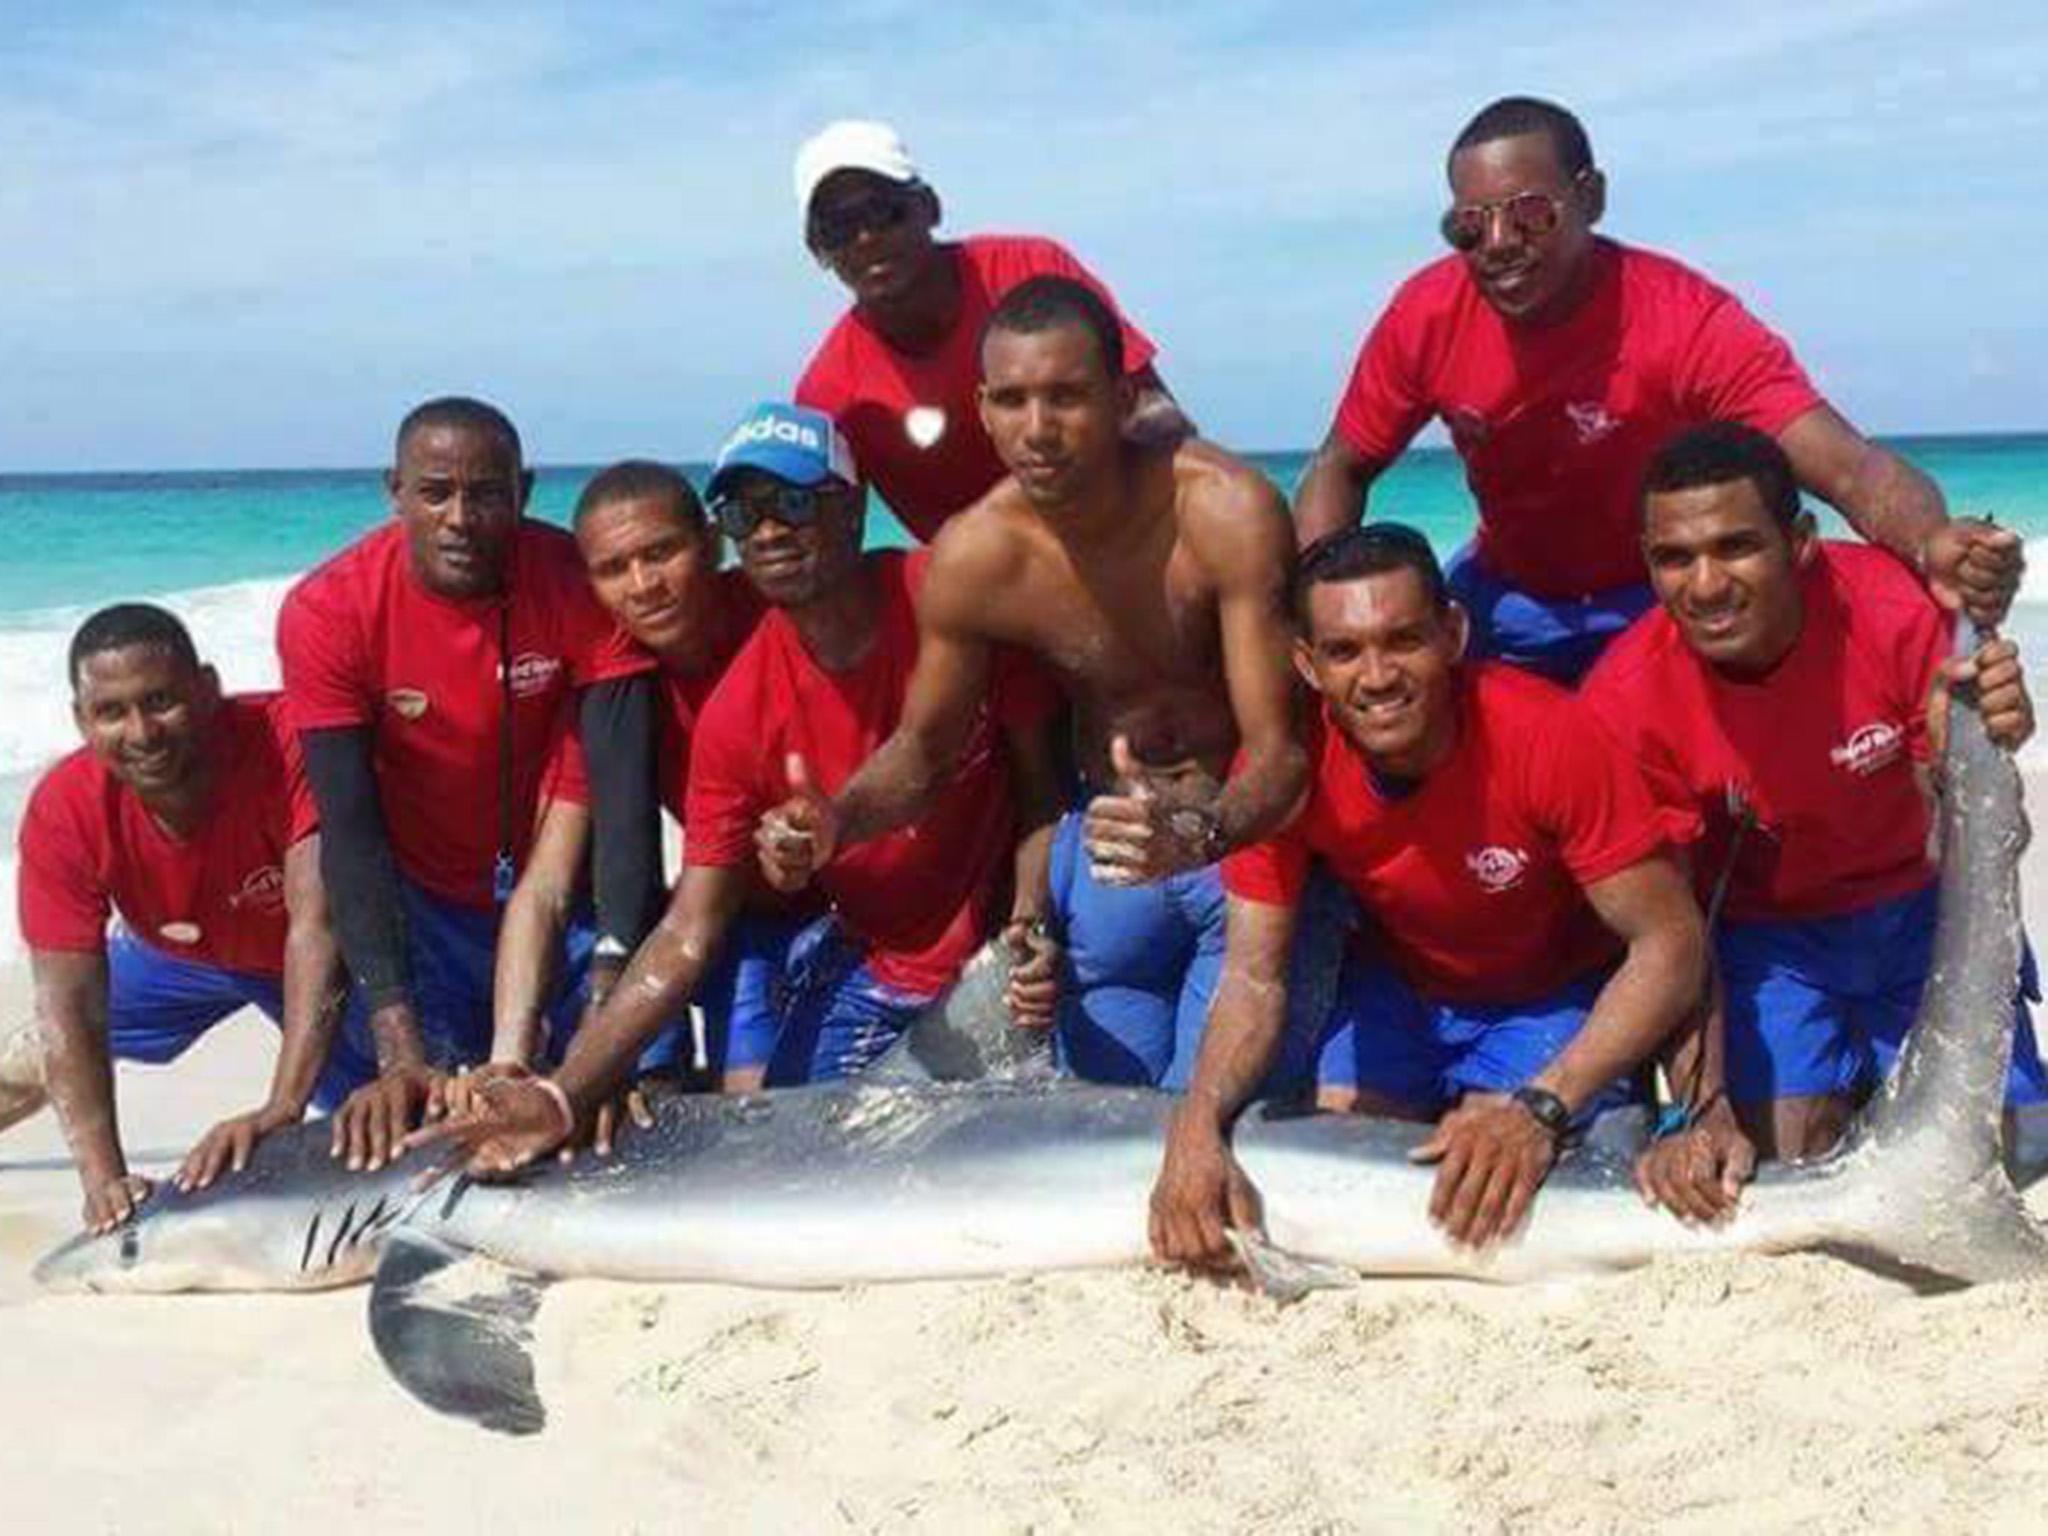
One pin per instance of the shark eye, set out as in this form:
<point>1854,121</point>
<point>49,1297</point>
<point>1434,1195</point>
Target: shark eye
<point>131,1245</point>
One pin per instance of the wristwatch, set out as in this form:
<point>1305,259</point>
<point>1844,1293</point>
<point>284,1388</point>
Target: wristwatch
<point>1200,827</point>
<point>1546,1109</point>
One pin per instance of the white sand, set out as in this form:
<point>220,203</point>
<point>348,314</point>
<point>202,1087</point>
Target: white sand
<point>1762,1393</point>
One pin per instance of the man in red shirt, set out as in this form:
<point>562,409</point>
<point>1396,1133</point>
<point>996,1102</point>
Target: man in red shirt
<point>187,814</point>
<point>1560,361</point>
<point>808,698</point>
<point>899,370</point>
<point>430,667</point>
<point>1785,704</point>
<point>652,558</point>
<point>1536,941</point>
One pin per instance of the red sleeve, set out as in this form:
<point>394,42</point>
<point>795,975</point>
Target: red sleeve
<point>1051,259</point>
<point>1735,368</point>
<point>1586,792</point>
<point>723,801</point>
<point>318,653</point>
<point>1384,405</point>
<point>1613,701</point>
<point>60,901</point>
<point>566,776</point>
<point>1272,872</point>
<point>302,811</point>
<point>823,386</point>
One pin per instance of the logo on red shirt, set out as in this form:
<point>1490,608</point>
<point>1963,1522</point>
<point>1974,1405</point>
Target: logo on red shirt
<point>924,425</point>
<point>1869,748</point>
<point>180,933</point>
<point>533,673</point>
<point>407,703</point>
<point>1498,869</point>
<point>262,890</point>
<point>1591,421</point>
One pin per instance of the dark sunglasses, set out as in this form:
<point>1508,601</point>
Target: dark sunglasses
<point>794,506</point>
<point>1531,215</point>
<point>840,225</point>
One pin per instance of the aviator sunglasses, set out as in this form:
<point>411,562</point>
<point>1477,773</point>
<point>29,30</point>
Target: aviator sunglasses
<point>837,227</point>
<point>1530,215</point>
<point>794,506</point>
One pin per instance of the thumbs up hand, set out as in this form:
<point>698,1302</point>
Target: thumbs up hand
<point>1151,827</point>
<point>798,837</point>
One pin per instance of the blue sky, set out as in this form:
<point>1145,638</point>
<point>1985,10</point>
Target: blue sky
<point>252,235</point>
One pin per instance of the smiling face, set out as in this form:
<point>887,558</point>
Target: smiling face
<point>1538,277</point>
<point>794,563</point>
<point>459,491</point>
<point>144,712</point>
<point>652,568</point>
<point>1052,409</point>
<point>875,234</point>
<point>1385,658</point>
<point>1727,572</point>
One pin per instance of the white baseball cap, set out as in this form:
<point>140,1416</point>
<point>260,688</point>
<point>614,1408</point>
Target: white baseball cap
<point>851,144</point>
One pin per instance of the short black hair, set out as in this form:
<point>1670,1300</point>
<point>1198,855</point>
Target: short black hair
<point>462,414</point>
<point>1042,303</point>
<point>1370,550</point>
<point>123,625</point>
<point>1513,116</point>
<point>641,480</point>
<point>1720,453</point>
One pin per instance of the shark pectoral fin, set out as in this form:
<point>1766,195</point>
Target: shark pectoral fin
<point>1285,1276</point>
<point>455,1328</point>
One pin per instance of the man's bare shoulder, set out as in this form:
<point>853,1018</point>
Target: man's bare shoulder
<point>1230,514</point>
<point>979,554</point>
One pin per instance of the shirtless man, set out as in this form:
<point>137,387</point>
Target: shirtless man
<point>186,813</point>
<point>1560,360</point>
<point>1152,582</point>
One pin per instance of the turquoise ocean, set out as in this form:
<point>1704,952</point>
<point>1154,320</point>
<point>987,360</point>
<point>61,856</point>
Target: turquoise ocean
<point>221,548</point>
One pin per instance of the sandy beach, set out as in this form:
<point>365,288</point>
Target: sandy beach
<point>1766,1392</point>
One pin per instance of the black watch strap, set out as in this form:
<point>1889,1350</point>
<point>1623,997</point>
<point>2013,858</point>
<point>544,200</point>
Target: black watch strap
<point>1546,1108</point>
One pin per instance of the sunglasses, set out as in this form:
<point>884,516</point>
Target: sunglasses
<point>837,227</point>
<point>794,506</point>
<point>1530,215</point>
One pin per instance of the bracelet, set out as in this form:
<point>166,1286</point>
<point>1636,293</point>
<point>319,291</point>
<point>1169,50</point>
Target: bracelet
<point>560,1098</point>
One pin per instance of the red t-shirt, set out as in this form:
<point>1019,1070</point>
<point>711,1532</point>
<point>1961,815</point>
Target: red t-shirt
<point>1820,751</point>
<point>1556,424</point>
<point>920,898</point>
<point>1473,878</point>
<point>364,644</point>
<point>88,847</point>
<point>913,419</point>
<point>682,700</point>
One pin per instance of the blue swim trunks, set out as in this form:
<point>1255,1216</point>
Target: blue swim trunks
<point>1822,1006</point>
<point>1142,966</point>
<point>808,1008</point>
<point>1557,638</point>
<point>1426,1056</point>
<point>158,1006</point>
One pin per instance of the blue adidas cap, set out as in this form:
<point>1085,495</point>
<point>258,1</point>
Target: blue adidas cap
<point>791,442</point>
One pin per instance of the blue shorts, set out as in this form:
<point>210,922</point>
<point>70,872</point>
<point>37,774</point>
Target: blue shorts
<point>159,1005</point>
<point>1557,638</point>
<point>1821,1006</point>
<point>1142,966</point>
<point>1426,1056</point>
<point>809,1009</point>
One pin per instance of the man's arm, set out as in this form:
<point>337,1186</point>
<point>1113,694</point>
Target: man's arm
<point>1035,787</point>
<point>1493,1153</point>
<point>520,1118</point>
<point>315,992</point>
<point>530,935</point>
<point>1966,561</point>
<point>1201,1191</point>
<point>1156,419</point>
<point>71,1011</point>
<point>1697,1171</point>
<point>617,721</point>
<point>1333,489</point>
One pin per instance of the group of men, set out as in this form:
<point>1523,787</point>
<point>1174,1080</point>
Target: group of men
<point>1260,801</point>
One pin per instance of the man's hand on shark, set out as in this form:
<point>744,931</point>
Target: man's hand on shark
<point>1492,1156</point>
<point>1972,564</point>
<point>1200,1194</point>
<point>231,1143</point>
<point>371,1126</point>
<point>110,1202</point>
<point>1698,1174</point>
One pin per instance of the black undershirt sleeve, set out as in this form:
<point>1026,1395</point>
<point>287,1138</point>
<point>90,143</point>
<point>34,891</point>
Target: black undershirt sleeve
<point>617,722</point>
<point>356,864</point>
